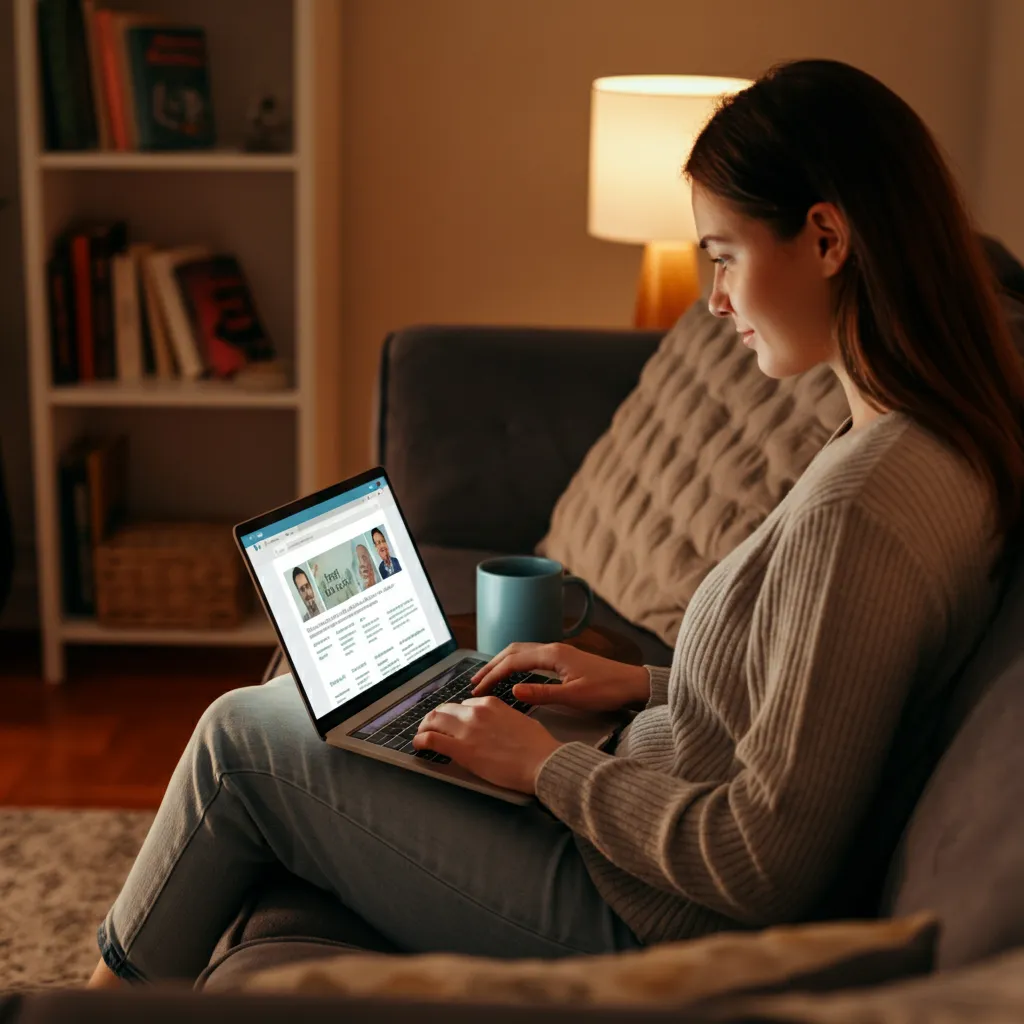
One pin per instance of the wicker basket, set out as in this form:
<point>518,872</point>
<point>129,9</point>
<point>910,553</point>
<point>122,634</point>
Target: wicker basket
<point>171,576</point>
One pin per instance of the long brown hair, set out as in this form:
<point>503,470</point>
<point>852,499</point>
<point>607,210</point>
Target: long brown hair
<point>916,308</point>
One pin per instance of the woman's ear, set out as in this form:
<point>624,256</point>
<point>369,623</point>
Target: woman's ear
<point>833,236</point>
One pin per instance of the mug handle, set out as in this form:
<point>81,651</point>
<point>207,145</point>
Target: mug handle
<point>577,627</point>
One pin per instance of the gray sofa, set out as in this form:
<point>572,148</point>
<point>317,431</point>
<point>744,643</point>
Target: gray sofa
<point>481,429</point>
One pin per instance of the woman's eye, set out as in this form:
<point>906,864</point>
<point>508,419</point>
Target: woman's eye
<point>720,260</point>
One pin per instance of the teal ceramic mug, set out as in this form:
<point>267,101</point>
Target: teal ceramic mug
<point>519,598</point>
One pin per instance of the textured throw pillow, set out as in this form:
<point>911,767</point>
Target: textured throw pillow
<point>814,957</point>
<point>695,458</point>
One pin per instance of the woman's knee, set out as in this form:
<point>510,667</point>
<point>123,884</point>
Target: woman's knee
<point>234,730</point>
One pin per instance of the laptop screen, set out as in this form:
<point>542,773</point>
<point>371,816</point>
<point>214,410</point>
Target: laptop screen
<point>348,593</point>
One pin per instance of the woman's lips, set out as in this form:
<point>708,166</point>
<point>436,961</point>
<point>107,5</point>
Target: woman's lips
<point>747,336</point>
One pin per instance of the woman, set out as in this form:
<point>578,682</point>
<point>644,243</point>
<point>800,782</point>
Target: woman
<point>838,236</point>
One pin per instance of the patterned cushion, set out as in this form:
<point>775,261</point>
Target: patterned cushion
<point>817,957</point>
<point>694,459</point>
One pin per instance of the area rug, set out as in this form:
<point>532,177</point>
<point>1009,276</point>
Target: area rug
<point>59,873</point>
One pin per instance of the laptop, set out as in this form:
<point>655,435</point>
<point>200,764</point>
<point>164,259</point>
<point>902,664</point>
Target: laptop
<point>368,642</point>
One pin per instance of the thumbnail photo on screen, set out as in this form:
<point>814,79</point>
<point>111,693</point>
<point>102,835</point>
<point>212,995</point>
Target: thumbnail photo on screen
<point>304,591</point>
<point>342,572</point>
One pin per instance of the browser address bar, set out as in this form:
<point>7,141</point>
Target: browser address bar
<point>329,527</point>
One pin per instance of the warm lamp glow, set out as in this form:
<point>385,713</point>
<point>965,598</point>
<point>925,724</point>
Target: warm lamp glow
<point>642,128</point>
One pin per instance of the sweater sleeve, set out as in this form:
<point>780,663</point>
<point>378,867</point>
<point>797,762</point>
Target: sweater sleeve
<point>841,623</point>
<point>659,685</point>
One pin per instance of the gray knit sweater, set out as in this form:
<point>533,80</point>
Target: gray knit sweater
<point>730,799</point>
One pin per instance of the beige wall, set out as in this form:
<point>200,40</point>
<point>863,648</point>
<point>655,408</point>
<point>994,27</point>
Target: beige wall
<point>1000,199</point>
<point>466,128</point>
<point>465,131</point>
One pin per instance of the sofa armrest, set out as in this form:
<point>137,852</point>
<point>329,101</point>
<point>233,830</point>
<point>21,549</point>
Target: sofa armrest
<point>481,428</point>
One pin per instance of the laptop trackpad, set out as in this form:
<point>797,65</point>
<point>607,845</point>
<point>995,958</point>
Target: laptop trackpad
<point>568,725</point>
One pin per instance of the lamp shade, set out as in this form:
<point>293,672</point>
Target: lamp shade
<point>642,128</point>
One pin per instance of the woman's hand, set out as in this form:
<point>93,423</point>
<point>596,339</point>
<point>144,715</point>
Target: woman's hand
<point>589,682</point>
<point>489,738</point>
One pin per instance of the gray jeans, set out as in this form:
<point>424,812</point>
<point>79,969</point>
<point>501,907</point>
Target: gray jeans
<point>432,866</point>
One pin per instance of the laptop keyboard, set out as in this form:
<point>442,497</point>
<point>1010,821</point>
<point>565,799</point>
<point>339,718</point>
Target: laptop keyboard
<point>397,734</point>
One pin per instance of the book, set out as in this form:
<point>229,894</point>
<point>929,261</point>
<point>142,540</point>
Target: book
<point>183,342</point>
<point>66,76</point>
<point>222,314</point>
<point>105,240</point>
<point>160,345</point>
<point>113,88</point>
<point>60,308</point>
<point>92,246</point>
<point>107,482</point>
<point>75,531</point>
<point>81,279</point>
<point>93,496</point>
<point>170,86</point>
<point>128,313</point>
<point>51,137</point>
<point>100,104</point>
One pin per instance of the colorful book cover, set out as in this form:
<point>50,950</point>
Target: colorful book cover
<point>223,314</point>
<point>170,86</point>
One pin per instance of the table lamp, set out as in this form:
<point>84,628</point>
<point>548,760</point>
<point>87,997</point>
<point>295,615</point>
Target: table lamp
<point>642,128</point>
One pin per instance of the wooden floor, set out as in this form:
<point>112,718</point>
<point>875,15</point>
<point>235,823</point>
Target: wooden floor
<point>111,735</point>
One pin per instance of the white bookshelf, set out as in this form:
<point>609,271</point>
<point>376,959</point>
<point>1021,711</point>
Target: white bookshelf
<point>200,449</point>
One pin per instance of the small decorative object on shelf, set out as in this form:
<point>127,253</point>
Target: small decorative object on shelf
<point>268,127</point>
<point>274,375</point>
<point>171,575</point>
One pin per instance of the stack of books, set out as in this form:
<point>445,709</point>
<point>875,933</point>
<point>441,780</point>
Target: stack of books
<point>122,80</point>
<point>93,488</point>
<point>123,311</point>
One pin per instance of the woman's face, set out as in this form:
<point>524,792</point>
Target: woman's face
<point>778,291</point>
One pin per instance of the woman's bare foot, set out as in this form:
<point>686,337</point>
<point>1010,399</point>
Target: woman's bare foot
<point>104,977</point>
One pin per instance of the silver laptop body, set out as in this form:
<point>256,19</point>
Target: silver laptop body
<point>335,615</point>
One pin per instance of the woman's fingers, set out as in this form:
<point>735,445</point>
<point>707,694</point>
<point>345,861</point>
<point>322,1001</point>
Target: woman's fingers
<point>439,742</point>
<point>515,658</point>
<point>540,693</point>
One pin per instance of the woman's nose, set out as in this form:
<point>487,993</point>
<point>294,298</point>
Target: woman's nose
<point>718,303</point>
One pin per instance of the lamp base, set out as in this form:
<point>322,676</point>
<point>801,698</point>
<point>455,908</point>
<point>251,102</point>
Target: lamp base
<point>669,284</point>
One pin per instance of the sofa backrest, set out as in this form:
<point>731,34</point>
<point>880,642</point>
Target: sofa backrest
<point>962,853</point>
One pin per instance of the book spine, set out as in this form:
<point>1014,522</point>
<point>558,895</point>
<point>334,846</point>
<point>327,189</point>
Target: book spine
<point>96,74</point>
<point>83,546</point>
<point>104,353</point>
<point>149,366</point>
<point>55,22</point>
<point>76,547</point>
<point>179,330</point>
<point>78,58</point>
<point>124,74</point>
<point>68,539</point>
<point>111,82</point>
<point>162,357</point>
<point>82,276</point>
<point>61,313</point>
<point>51,131</point>
<point>127,322</point>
